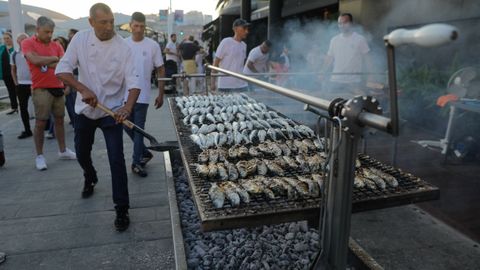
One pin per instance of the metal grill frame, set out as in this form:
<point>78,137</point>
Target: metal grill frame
<point>263,212</point>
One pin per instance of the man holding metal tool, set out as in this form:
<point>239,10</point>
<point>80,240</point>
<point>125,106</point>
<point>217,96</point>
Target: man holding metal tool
<point>348,52</point>
<point>104,61</point>
<point>147,56</point>
<point>230,55</point>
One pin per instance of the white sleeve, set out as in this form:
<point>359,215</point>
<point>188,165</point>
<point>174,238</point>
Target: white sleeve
<point>221,50</point>
<point>254,55</point>
<point>363,45</point>
<point>132,78</point>
<point>69,60</point>
<point>157,55</point>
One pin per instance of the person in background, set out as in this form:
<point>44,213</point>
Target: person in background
<point>70,94</point>
<point>23,83</point>
<point>348,52</point>
<point>104,61</point>
<point>71,33</point>
<point>147,56</point>
<point>171,57</point>
<point>42,56</point>
<point>199,61</point>
<point>6,75</point>
<point>280,64</point>
<point>258,60</point>
<point>230,55</point>
<point>188,49</point>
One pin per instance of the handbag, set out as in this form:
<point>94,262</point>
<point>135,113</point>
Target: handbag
<point>56,92</point>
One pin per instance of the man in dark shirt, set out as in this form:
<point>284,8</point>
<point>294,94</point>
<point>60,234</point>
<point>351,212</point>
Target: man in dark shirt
<point>188,50</point>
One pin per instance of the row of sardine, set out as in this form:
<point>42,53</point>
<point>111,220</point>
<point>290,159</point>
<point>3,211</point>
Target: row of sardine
<point>271,188</point>
<point>373,178</point>
<point>202,101</point>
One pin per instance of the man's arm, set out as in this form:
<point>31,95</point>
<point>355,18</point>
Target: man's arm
<point>251,66</point>
<point>38,60</point>
<point>88,96</point>
<point>161,87</point>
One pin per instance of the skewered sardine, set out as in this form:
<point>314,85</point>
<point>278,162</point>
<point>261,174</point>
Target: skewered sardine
<point>290,162</point>
<point>242,152</point>
<point>251,167</point>
<point>262,135</point>
<point>202,170</point>
<point>367,173</point>
<point>313,187</point>
<point>244,196</point>
<point>242,168</point>
<point>230,193</point>
<point>285,149</point>
<point>274,168</point>
<point>261,167</point>
<point>274,149</point>
<point>212,170</point>
<point>216,195</point>
<point>232,171</point>
<point>391,181</point>
<point>233,152</point>
<point>299,186</point>
<point>253,152</point>
<point>222,172</point>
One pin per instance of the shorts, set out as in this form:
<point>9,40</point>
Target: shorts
<point>189,66</point>
<point>45,103</point>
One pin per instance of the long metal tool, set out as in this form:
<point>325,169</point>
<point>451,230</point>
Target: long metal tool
<point>154,144</point>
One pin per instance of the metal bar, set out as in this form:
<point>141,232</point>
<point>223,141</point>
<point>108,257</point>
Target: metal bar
<point>370,119</point>
<point>178,247</point>
<point>268,74</point>
<point>392,81</point>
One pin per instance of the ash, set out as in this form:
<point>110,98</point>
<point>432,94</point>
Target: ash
<point>286,246</point>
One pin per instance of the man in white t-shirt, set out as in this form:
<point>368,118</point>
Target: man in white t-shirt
<point>230,55</point>
<point>147,56</point>
<point>257,60</point>
<point>171,57</point>
<point>348,52</point>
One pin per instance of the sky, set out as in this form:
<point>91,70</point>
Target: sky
<point>79,8</point>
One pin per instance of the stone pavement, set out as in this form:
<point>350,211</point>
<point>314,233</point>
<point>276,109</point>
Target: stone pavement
<point>45,224</point>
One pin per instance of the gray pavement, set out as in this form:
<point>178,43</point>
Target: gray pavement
<point>45,224</point>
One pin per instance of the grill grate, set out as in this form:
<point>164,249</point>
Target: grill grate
<point>261,211</point>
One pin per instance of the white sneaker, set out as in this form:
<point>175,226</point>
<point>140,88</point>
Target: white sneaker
<point>67,154</point>
<point>41,163</point>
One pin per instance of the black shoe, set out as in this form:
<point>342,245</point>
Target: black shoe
<point>139,170</point>
<point>122,221</point>
<point>12,111</point>
<point>146,158</point>
<point>25,134</point>
<point>2,158</point>
<point>88,188</point>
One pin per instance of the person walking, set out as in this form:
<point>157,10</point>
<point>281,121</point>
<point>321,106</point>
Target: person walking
<point>42,56</point>
<point>171,57</point>
<point>23,83</point>
<point>147,57</point>
<point>230,55</point>
<point>104,61</point>
<point>6,75</point>
<point>188,49</point>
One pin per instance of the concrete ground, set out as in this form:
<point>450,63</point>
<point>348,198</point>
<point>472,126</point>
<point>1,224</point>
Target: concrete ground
<point>45,224</point>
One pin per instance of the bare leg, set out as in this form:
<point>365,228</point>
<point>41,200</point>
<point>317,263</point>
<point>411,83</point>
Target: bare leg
<point>60,133</point>
<point>39,136</point>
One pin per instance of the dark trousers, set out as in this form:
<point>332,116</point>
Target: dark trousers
<point>170,69</point>
<point>70,105</point>
<point>11,92</point>
<point>23,93</point>
<point>113,134</point>
<point>138,117</point>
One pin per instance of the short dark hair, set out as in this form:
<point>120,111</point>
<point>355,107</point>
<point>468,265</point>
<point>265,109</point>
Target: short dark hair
<point>268,43</point>
<point>73,30</point>
<point>138,17</point>
<point>173,35</point>
<point>99,6</point>
<point>349,15</point>
<point>45,21</point>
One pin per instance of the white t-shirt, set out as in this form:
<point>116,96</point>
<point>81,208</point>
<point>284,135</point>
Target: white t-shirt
<point>23,71</point>
<point>172,47</point>
<point>232,55</point>
<point>147,57</point>
<point>347,52</point>
<point>105,67</point>
<point>259,60</point>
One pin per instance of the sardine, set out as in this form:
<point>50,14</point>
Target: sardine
<point>242,168</point>
<point>299,186</point>
<point>313,187</point>
<point>285,149</point>
<point>210,118</point>
<point>253,152</point>
<point>310,145</point>
<point>212,170</point>
<point>261,167</point>
<point>318,178</point>
<point>391,181</point>
<point>203,157</point>
<point>367,173</point>
<point>233,152</point>
<point>213,156</point>
<point>222,172</point>
<point>220,127</point>
<point>262,134</point>
<point>194,128</point>
<point>216,195</point>
<point>232,171</point>
<point>231,194</point>
<point>202,170</point>
<point>290,162</point>
<point>243,152</point>
<point>271,132</point>
<point>358,181</point>
<point>244,196</point>
<point>274,168</point>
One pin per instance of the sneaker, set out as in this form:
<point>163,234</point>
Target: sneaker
<point>146,158</point>
<point>41,163</point>
<point>50,136</point>
<point>137,169</point>
<point>122,221</point>
<point>67,154</point>
<point>25,134</point>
